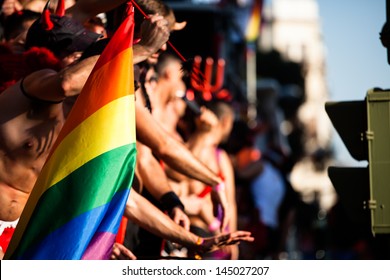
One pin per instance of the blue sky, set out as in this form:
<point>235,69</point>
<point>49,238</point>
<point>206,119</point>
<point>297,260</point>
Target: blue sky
<point>356,60</point>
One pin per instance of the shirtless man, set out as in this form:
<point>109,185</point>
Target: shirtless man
<point>33,113</point>
<point>30,124</point>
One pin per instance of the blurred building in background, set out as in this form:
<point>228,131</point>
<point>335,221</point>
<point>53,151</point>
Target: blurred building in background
<point>293,28</point>
<point>281,74</point>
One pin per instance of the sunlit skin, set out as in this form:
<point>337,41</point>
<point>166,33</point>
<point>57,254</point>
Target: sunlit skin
<point>28,128</point>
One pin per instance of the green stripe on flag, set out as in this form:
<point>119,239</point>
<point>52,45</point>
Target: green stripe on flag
<point>99,180</point>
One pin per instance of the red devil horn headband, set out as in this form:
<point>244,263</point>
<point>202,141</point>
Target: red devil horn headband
<point>60,11</point>
<point>46,22</point>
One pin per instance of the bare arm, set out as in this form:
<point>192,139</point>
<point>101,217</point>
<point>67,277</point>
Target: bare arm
<point>156,182</point>
<point>85,9</point>
<point>142,212</point>
<point>52,86</point>
<point>228,173</point>
<point>147,216</point>
<point>152,174</point>
<point>55,86</point>
<point>179,157</point>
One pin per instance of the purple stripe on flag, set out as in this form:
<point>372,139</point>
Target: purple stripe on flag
<point>100,247</point>
<point>68,242</point>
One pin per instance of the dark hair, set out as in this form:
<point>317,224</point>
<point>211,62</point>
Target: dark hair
<point>220,108</point>
<point>144,67</point>
<point>164,60</point>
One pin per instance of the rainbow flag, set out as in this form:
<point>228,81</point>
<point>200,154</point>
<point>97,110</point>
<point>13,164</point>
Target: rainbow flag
<point>76,206</point>
<point>252,29</point>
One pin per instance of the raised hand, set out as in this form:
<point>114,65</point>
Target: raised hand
<point>154,33</point>
<point>220,241</point>
<point>120,252</point>
<point>206,121</point>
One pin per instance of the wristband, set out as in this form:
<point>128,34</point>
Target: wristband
<point>170,200</point>
<point>215,225</point>
<point>220,187</point>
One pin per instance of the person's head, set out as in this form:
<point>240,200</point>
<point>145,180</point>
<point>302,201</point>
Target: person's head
<point>151,79</point>
<point>96,25</point>
<point>169,71</point>
<point>64,36</point>
<point>225,115</point>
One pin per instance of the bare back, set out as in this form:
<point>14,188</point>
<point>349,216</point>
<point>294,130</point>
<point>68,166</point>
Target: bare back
<point>28,129</point>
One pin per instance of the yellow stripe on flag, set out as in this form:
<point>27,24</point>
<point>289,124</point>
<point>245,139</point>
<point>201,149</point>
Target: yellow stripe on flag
<point>111,119</point>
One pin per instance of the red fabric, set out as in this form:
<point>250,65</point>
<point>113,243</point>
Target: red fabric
<point>206,191</point>
<point>5,238</point>
<point>162,164</point>
<point>120,237</point>
<point>246,156</point>
<point>16,66</point>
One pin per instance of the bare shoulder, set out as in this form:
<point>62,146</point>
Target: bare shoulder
<point>225,161</point>
<point>224,157</point>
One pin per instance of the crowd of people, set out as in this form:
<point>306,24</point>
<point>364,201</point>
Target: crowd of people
<point>47,54</point>
<point>207,184</point>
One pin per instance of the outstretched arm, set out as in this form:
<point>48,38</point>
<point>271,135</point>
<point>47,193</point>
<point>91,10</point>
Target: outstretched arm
<point>147,216</point>
<point>50,85</point>
<point>85,9</point>
<point>156,182</point>
<point>179,157</point>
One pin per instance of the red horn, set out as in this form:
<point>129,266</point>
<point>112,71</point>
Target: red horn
<point>46,22</point>
<point>60,11</point>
